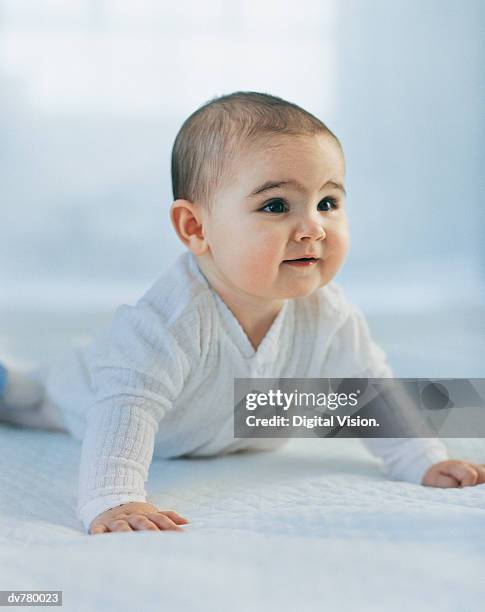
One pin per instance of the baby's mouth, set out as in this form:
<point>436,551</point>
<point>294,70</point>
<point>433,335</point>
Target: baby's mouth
<point>302,262</point>
<point>302,259</point>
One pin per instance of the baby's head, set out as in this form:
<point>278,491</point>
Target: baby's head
<point>258,181</point>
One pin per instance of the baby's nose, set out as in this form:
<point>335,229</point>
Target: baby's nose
<point>311,228</point>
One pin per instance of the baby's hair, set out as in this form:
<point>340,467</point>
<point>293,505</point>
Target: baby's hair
<point>212,136</point>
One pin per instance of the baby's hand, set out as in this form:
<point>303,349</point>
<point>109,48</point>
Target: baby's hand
<point>454,473</point>
<point>136,516</point>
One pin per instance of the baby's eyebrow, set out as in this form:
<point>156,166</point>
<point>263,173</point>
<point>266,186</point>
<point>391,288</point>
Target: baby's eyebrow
<point>268,185</point>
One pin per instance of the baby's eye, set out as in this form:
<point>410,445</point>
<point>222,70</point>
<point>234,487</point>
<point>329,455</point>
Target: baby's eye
<point>328,203</point>
<point>277,203</point>
<point>333,203</point>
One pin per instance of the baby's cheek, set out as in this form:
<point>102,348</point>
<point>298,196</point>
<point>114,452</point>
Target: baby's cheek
<point>255,268</point>
<point>338,242</point>
<point>344,234</point>
<point>256,265</point>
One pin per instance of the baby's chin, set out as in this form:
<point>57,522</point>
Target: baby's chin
<point>283,287</point>
<point>301,293</point>
<point>295,291</point>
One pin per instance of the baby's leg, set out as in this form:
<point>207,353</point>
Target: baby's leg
<point>23,400</point>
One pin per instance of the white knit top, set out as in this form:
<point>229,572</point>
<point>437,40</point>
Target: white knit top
<point>160,382</point>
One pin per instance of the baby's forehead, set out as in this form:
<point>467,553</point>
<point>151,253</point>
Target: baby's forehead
<point>268,158</point>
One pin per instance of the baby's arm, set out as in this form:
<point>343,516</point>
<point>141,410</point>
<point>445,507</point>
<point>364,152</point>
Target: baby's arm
<point>354,354</point>
<point>138,371</point>
<point>116,453</point>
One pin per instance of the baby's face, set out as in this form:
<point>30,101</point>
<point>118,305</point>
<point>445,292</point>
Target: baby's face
<point>253,230</point>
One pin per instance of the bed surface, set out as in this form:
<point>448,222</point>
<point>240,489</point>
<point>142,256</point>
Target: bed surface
<point>311,526</point>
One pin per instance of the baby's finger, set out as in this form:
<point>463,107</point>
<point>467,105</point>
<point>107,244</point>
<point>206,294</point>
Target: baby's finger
<point>466,475</point>
<point>98,529</point>
<point>445,482</point>
<point>141,523</point>
<point>120,525</point>
<point>176,518</point>
<point>164,522</point>
<point>481,473</point>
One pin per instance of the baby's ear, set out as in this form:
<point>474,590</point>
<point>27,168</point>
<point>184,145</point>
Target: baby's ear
<point>186,219</point>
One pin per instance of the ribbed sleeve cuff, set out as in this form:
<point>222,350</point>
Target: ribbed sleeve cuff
<point>88,512</point>
<point>413,471</point>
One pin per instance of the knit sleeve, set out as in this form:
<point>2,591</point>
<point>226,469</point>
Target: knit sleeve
<point>357,355</point>
<point>138,370</point>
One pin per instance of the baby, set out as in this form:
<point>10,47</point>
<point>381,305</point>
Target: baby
<point>258,185</point>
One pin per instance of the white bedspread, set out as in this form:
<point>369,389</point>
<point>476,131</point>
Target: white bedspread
<point>312,526</point>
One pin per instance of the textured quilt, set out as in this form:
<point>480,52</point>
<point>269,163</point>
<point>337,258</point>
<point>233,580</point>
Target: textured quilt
<point>311,526</point>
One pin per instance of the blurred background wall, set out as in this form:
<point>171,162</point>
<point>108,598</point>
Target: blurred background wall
<point>93,92</point>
